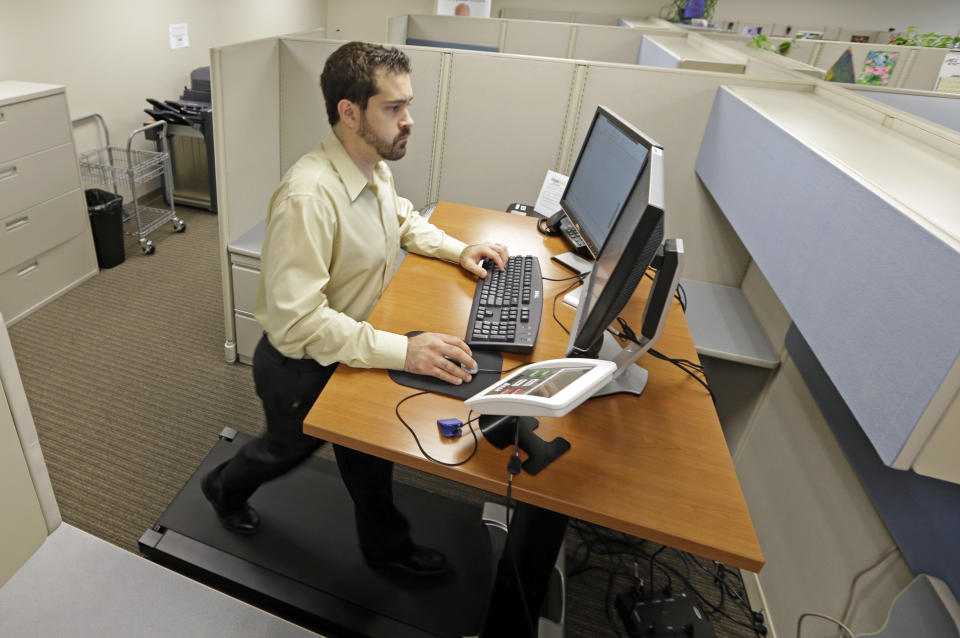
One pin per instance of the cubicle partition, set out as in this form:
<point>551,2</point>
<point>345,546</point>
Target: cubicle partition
<point>594,42</point>
<point>489,125</point>
<point>915,67</point>
<point>553,15</point>
<point>246,100</point>
<point>935,106</point>
<point>846,207</point>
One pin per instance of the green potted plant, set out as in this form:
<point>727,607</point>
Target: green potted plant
<point>938,40</point>
<point>763,42</point>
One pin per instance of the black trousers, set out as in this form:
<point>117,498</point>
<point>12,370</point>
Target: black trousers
<point>288,389</point>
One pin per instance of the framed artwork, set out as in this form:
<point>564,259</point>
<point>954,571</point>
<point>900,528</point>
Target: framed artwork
<point>842,69</point>
<point>878,67</point>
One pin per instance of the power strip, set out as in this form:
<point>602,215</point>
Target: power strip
<point>659,617</point>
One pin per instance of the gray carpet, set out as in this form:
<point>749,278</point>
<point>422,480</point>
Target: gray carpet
<point>127,383</point>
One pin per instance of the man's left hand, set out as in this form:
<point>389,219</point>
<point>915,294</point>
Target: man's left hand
<point>473,255</point>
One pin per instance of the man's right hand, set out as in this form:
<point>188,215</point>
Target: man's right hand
<point>426,352</point>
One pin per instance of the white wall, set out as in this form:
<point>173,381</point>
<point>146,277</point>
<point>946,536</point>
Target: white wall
<point>346,21</point>
<point>113,54</point>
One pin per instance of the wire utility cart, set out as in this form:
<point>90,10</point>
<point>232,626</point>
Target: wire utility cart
<point>115,166</point>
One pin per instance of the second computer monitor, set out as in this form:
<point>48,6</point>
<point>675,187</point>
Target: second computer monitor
<point>620,265</point>
<point>610,162</point>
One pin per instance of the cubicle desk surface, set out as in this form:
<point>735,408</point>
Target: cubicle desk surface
<point>305,563</point>
<point>655,466</point>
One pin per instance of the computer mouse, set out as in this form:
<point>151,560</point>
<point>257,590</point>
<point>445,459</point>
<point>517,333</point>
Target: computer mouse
<point>468,370</point>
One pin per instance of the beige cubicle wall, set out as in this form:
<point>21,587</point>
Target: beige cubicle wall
<point>580,17</point>
<point>916,67</point>
<point>667,45</point>
<point>602,43</point>
<point>246,99</point>
<point>758,61</point>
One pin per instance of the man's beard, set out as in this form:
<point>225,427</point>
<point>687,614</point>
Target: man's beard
<point>387,150</point>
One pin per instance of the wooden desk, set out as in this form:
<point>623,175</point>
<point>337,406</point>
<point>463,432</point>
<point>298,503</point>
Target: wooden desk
<point>655,466</point>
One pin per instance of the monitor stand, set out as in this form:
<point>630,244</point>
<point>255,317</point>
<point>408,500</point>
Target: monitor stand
<point>631,378</point>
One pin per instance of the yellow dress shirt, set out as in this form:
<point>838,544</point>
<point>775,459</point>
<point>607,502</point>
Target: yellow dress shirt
<point>330,249</point>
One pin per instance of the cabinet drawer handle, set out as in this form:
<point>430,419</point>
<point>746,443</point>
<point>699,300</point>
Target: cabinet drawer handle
<point>7,173</point>
<point>17,223</point>
<point>23,271</point>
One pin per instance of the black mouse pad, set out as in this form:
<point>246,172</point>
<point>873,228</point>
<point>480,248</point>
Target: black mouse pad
<point>486,360</point>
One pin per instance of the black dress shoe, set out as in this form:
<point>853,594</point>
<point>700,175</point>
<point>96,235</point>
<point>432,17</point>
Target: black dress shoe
<point>244,520</point>
<point>422,561</point>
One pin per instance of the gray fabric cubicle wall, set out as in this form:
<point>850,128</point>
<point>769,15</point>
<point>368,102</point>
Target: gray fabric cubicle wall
<point>921,513</point>
<point>942,109</point>
<point>872,291</point>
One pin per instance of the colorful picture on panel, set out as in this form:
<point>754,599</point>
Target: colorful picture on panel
<point>842,69</point>
<point>860,38</point>
<point>878,67</point>
<point>693,9</point>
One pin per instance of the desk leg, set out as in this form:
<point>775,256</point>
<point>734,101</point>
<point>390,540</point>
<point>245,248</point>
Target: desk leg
<point>536,537</point>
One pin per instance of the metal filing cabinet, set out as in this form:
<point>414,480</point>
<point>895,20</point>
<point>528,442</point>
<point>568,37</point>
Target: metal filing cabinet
<point>46,247</point>
<point>245,272</point>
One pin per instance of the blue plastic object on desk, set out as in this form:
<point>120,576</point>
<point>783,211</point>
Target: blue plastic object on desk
<point>450,428</point>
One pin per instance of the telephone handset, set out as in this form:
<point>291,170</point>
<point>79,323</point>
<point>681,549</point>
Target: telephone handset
<point>551,225</point>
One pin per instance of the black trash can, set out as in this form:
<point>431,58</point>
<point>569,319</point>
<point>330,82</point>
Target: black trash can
<point>106,219</point>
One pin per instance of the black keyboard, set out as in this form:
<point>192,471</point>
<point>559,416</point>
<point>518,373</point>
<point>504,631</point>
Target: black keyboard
<point>507,305</point>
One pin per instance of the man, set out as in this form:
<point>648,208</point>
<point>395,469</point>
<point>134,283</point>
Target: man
<point>334,229</point>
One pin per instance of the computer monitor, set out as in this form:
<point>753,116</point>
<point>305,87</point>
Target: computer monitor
<point>634,239</point>
<point>610,162</point>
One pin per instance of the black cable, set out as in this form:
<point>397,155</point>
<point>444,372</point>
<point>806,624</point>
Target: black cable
<point>692,373</point>
<point>653,560</point>
<point>513,468</point>
<point>607,541</point>
<point>469,423</point>
<point>580,277</point>
<point>687,366</point>
<point>681,296</point>
<point>560,294</point>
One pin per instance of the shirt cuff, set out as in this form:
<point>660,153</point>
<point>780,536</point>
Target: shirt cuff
<point>450,249</point>
<point>390,352</point>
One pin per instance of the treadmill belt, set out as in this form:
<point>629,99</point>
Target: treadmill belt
<point>307,535</point>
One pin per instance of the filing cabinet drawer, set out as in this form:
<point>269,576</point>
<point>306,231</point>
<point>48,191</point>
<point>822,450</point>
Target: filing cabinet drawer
<point>26,286</point>
<point>248,334</point>
<point>245,281</point>
<point>32,179</point>
<point>40,228</point>
<point>33,125</point>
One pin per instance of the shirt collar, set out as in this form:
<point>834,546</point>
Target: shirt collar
<point>353,179</point>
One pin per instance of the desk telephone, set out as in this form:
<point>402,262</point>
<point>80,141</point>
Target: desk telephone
<point>556,224</point>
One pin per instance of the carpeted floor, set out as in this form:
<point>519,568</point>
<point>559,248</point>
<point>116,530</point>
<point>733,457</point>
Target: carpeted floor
<point>127,383</point>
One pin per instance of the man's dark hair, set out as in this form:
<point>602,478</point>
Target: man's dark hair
<point>350,73</point>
